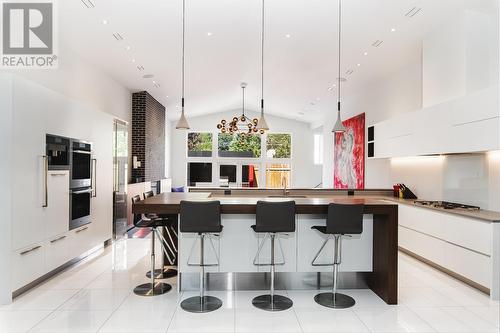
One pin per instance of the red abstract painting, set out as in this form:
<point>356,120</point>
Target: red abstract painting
<point>349,158</point>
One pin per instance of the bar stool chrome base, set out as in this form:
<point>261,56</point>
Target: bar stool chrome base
<point>163,273</point>
<point>335,301</point>
<point>199,304</point>
<point>147,289</point>
<point>279,303</point>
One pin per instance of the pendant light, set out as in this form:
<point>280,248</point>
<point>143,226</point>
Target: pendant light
<point>182,123</point>
<point>240,124</point>
<point>262,124</point>
<point>339,127</point>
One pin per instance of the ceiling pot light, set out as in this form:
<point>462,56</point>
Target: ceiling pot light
<point>182,123</point>
<point>104,22</point>
<point>127,48</point>
<point>262,125</point>
<point>288,35</point>
<point>339,127</point>
<point>209,34</point>
<point>366,53</point>
<point>393,29</point>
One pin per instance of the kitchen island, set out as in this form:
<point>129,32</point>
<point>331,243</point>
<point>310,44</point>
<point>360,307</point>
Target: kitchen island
<point>369,260</point>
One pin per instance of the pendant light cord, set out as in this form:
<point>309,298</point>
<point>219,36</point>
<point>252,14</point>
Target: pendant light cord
<point>262,57</point>
<point>243,106</point>
<point>183,48</point>
<point>340,52</point>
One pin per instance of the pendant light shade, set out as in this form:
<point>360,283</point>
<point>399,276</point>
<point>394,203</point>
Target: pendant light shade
<point>182,123</point>
<point>262,124</point>
<point>339,126</point>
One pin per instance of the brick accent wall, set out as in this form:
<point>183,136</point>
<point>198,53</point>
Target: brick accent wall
<point>148,137</point>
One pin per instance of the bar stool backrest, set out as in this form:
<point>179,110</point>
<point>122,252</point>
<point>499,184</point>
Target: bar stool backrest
<point>344,219</point>
<point>275,216</point>
<point>200,216</point>
<point>148,194</point>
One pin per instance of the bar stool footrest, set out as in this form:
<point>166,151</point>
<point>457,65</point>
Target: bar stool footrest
<point>163,273</point>
<point>199,304</point>
<point>279,303</point>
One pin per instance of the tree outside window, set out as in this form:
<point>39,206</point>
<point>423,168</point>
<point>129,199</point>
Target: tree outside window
<point>199,144</point>
<point>279,145</point>
<point>238,145</point>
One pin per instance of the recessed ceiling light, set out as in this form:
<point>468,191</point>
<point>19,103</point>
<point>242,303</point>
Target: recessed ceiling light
<point>366,53</point>
<point>127,48</point>
<point>288,35</point>
<point>209,34</point>
<point>330,88</point>
<point>154,81</point>
<point>334,85</point>
<point>358,65</point>
<point>133,60</point>
<point>104,22</point>
<point>166,96</point>
<point>148,76</point>
<point>393,29</point>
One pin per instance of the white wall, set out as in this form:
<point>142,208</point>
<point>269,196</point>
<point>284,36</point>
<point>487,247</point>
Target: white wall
<point>5,184</point>
<point>399,92</point>
<point>77,79</point>
<point>304,172</point>
<point>459,58</point>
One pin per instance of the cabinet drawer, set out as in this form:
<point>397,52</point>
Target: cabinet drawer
<point>80,240</point>
<point>57,252</point>
<point>470,264</point>
<point>28,264</point>
<point>473,234</point>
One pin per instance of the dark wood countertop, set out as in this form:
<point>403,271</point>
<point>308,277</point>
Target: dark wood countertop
<point>168,203</point>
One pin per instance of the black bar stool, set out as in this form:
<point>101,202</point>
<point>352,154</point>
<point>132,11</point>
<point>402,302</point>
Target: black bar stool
<point>169,228</point>
<point>273,218</point>
<point>152,288</point>
<point>202,218</point>
<point>342,220</point>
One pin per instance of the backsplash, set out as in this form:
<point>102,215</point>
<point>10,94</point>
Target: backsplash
<point>472,179</point>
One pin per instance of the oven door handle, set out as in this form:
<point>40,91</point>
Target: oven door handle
<point>82,152</point>
<point>93,178</point>
<point>82,191</point>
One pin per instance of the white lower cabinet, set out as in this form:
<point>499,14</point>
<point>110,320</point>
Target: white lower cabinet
<point>57,252</point>
<point>242,238</point>
<point>57,210</point>
<point>28,264</point>
<point>459,244</point>
<point>80,240</point>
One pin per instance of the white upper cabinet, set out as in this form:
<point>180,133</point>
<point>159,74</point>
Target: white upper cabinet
<point>460,94</point>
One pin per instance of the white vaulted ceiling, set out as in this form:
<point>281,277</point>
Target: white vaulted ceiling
<point>301,47</point>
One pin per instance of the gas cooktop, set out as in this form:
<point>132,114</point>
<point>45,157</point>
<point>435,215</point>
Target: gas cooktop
<point>446,205</point>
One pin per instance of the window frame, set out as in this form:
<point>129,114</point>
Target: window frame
<point>261,161</point>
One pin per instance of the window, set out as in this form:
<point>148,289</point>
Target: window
<point>250,175</point>
<point>277,175</point>
<point>199,144</point>
<point>318,149</point>
<point>199,173</point>
<point>237,145</point>
<point>227,174</point>
<point>279,146</point>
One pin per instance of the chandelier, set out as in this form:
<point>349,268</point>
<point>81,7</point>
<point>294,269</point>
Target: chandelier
<point>241,125</point>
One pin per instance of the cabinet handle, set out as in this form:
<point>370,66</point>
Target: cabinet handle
<point>93,179</point>
<point>45,181</point>
<point>57,174</point>
<point>30,250</point>
<point>82,229</point>
<point>57,239</point>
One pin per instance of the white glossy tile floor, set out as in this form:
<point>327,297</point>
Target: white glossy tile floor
<point>96,296</point>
